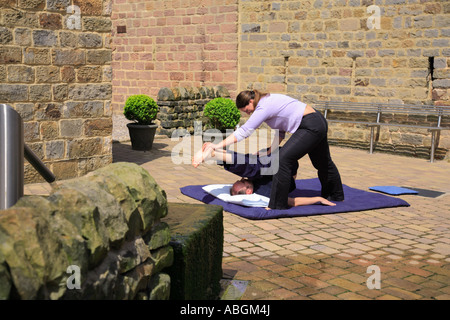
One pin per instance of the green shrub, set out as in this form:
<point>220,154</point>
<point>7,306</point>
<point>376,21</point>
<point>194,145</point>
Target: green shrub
<point>222,114</point>
<point>140,108</point>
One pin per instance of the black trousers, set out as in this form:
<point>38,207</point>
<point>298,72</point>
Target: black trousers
<point>310,138</point>
<point>249,165</point>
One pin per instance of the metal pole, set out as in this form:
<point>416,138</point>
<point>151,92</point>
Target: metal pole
<point>11,157</point>
<point>372,134</point>
<point>40,167</point>
<point>433,145</point>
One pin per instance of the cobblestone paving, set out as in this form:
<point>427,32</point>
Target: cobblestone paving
<point>327,256</point>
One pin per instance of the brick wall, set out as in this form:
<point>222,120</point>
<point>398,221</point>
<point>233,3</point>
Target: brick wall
<point>171,43</point>
<point>55,71</point>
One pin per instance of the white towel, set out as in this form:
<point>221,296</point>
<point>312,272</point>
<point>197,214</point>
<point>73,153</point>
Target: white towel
<point>222,191</point>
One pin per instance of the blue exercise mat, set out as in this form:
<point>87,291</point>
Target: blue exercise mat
<point>393,190</point>
<point>355,200</point>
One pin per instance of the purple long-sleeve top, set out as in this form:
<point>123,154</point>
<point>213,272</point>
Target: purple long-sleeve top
<point>278,111</point>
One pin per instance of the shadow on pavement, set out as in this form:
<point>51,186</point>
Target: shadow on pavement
<point>122,152</point>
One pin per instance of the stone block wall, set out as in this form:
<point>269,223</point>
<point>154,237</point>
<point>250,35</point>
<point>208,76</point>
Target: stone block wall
<point>197,241</point>
<point>342,50</point>
<point>331,50</point>
<point>96,237</point>
<point>180,107</point>
<point>55,70</point>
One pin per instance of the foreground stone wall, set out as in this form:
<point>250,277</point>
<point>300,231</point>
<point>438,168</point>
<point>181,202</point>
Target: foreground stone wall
<point>197,241</point>
<point>55,70</point>
<point>105,227</point>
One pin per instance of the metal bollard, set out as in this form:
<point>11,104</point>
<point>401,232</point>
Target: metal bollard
<point>11,156</point>
<point>12,152</point>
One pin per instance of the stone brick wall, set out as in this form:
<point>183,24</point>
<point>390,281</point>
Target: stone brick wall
<point>171,43</point>
<point>180,107</point>
<point>325,50</point>
<point>55,70</point>
<point>334,50</point>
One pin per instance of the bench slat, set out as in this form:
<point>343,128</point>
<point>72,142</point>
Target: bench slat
<point>362,107</point>
<point>388,124</point>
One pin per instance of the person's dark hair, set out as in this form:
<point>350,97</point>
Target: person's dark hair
<point>245,96</point>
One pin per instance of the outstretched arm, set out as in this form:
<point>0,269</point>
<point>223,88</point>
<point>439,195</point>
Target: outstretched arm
<point>224,143</point>
<point>304,201</point>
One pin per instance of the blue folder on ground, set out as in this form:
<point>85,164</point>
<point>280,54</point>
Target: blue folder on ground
<point>393,190</point>
<point>355,200</point>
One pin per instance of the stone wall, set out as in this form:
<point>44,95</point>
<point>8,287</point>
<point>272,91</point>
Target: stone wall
<point>335,50</point>
<point>55,70</point>
<point>180,107</point>
<point>106,227</point>
<point>197,242</point>
<point>331,50</point>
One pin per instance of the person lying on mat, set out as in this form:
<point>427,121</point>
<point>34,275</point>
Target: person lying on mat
<point>250,170</point>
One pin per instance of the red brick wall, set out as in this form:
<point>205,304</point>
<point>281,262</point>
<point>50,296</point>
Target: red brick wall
<point>172,43</point>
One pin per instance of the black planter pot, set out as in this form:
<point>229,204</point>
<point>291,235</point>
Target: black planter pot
<point>142,136</point>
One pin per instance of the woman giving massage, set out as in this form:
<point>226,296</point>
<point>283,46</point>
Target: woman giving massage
<point>309,136</point>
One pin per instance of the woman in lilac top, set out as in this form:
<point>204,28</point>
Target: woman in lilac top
<point>309,136</point>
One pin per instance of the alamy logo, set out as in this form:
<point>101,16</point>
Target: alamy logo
<point>74,281</point>
<point>74,21</point>
<point>373,22</point>
<point>374,281</point>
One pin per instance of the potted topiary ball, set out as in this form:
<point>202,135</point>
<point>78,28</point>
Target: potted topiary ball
<point>143,110</point>
<point>222,115</point>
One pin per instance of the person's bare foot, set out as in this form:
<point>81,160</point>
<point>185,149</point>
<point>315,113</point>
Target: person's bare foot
<point>201,155</point>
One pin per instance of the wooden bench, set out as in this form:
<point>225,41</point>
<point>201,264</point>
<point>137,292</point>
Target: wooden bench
<point>375,115</point>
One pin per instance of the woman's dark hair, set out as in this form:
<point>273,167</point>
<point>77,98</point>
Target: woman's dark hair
<point>245,96</point>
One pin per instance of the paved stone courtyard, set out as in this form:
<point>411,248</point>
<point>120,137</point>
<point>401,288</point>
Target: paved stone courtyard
<point>327,256</point>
